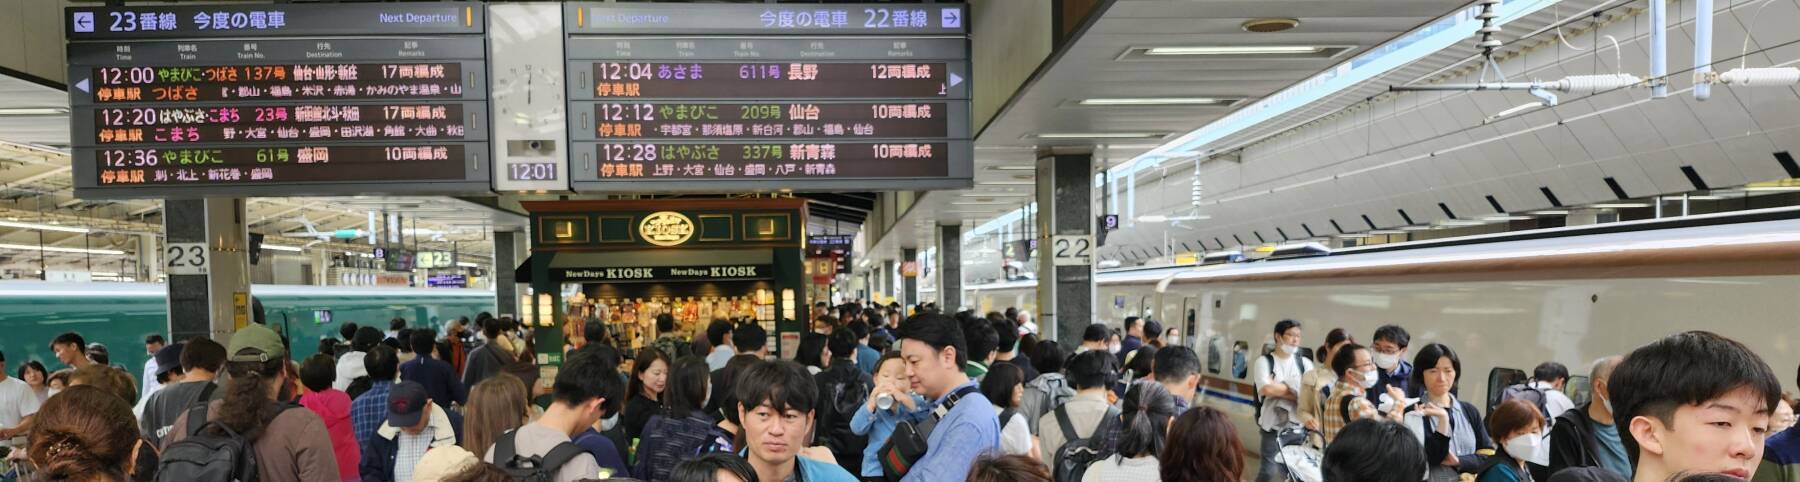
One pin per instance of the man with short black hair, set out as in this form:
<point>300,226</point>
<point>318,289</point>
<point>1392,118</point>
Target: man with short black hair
<point>71,350</point>
<point>666,340</point>
<point>1007,350</point>
<point>490,358</point>
<point>150,384</point>
<point>865,355</point>
<point>935,354</point>
<point>1094,338</point>
<point>350,365</point>
<point>1389,352</point>
<point>843,388</point>
<point>439,380</point>
<point>1549,377</point>
<point>980,336</point>
<point>1153,333</point>
<point>1277,380</point>
<point>1134,337</point>
<point>1177,368</point>
<point>776,404</point>
<point>719,335</point>
<point>587,388</point>
<point>394,327</point>
<point>201,360</point>
<point>1092,373</point>
<point>369,408</point>
<point>750,342</point>
<point>1693,402</point>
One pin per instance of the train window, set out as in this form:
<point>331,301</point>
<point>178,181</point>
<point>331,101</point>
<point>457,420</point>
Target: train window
<point>1498,379</point>
<point>1214,347</point>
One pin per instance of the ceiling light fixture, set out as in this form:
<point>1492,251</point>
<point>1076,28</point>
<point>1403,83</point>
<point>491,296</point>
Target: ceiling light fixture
<point>1460,222</point>
<point>59,249</point>
<point>1150,101</point>
<point>1506,217</point>
<point>33,111</point>
<point>1618,205</point>
<point>1385,232</point>
<point>46,227</point>
<point>1235,50</point>
<point>1772,188</point>
<point>1269,25</point>
<point>982,203</point>
<point>277,247</point>
<point>996,194</point>
<point>1099,135</point>
<point>1550,212</point>
<point>1012,168</point>
<point>467,264</point>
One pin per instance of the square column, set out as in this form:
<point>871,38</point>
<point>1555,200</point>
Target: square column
<point>950,283</point>
<point>1065,194</point>
<point>909,285</point>
<point>214,304</point>
<point>506,284</point>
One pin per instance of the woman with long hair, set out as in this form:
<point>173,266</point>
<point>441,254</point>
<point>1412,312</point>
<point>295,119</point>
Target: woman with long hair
<point>812,352</point>
<point>649,377</point>
<point>1004,387</point>
<point>300,447</point>
<point>496,405</point>
<point>1203,446</point>
<point>685,430</point>
<point>1148,409</point>
<point>84,433</point>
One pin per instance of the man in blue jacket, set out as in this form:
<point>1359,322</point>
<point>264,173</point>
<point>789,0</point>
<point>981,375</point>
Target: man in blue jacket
<point>935,353</point>
<point>414,425</point>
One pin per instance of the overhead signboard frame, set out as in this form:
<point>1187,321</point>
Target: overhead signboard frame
<point>763,97</point>
<point>181,101</point>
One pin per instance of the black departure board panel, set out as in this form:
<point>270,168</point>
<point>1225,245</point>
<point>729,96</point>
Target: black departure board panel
<point>768,96</point>
<point>278,99</point>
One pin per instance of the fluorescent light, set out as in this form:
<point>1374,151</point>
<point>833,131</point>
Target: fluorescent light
<point>1460,222</point>
<point>981,203</point>
<point>1618,205</point>
<point>1415,228</point>
<point>1772,188</point>
<point>23,111</point>
<point>1135,101</point>
<point>104,274</point>
<point>1700,197</point>
<point>277,247</point>
<point>467,264</point>
<point>1353,236</point>
<point>997,194</point>
<point>1235,50</point>
<point>59,249</point>
<point>46,227</point>
<point>1098,135</point>
<point>1506,217</point>
<point>1550,212</point>
<point>1387,231</point>
<point>1153,218</point>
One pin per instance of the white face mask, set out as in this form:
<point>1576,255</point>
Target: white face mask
<point>608,423</point>
<point>1524,447</point>
<point>1386,361</point>
<point>52,391</point>
<point>1175,340</point>
<point>1369,378</point>
<point>1113,349</point>
<point>1289,349</point>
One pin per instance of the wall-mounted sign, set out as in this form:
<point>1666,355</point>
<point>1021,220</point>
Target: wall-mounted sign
<point>651,274</point>
<point>434,259</point>
<point>666,228</point>
<point>447,281</point>
<point>909,269</point>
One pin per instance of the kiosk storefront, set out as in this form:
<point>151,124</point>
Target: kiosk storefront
<point>626,262</point>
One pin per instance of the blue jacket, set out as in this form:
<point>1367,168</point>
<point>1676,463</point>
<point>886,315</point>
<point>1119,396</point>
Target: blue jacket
<point>866,358</point>
<point>1781,458</point>
<point>817,471</point>
<point>382,449</point>
<point>878,426</point>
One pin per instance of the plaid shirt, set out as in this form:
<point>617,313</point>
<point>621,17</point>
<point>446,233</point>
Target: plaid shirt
<point>1332,420</point>
<point>369,411</point>
<point>410,449</point>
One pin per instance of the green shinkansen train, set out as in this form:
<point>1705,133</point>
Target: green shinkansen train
<point>120,315</point>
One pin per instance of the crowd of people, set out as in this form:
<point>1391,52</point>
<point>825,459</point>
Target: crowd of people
<point>877,393</point>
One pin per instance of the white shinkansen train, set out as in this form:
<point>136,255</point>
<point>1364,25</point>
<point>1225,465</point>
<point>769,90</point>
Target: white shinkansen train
<point>1503,302</point>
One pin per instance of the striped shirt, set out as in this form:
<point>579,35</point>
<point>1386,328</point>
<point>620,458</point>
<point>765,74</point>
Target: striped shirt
<point>1333,419</point>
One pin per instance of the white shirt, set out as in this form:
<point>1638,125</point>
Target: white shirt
<point>1554,400</point>
<point>150,383</point>
<point>349,368</point>
<point>1277,412</point>
<point>1120,469</point>
<point>1015,436</point>
<point>17,401</point>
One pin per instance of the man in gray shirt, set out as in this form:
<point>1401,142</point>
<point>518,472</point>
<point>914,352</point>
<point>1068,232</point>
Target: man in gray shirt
<point>587,387</point>
<point>199,363</point>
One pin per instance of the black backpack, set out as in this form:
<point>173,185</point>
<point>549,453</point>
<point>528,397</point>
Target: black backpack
<point>1526,392</point>
<point>222,456</point>
<point>536,468</point>
<point>1071,460</point>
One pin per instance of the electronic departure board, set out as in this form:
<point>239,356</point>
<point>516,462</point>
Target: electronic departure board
<point>708,97</point>
<point>278,99</point>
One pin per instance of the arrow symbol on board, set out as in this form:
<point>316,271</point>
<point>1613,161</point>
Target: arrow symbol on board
<point>83,85</point>
<point>955,79</point>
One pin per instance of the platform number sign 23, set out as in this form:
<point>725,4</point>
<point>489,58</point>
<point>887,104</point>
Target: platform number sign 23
<point>186,258</point>
<point>1071,249</point>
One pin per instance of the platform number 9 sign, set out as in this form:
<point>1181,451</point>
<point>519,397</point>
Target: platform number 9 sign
<point>186,258</point>
<point>1071,249</point>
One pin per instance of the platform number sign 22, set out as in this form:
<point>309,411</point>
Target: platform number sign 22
<point>186,258</point>
<point>1071,249</point>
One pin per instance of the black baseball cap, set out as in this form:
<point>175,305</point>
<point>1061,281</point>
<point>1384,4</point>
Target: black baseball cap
<point>406,404</point>
<point>168,358</point>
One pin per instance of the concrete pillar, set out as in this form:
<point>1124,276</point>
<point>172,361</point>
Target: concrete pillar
<point>1065,194</point>
<point>888,269</point>
<point>149,259</point>
<point>909,285</point>
<point>506,287</point>
<point>950,268</point>
<point>217,303</point>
